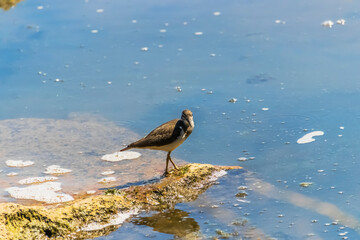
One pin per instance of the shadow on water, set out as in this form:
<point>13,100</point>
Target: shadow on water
<point>173,221</point>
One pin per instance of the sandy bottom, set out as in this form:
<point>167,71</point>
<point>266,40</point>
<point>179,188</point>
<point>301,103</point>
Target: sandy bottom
<point>77,144</point>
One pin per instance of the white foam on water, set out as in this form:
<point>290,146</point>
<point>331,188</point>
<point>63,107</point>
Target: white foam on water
<point>117,220</point>
<point>44,192</point>
<point>108,172</point>
<point>107,180</point>
<point>33,180</point>
<point>12,174</point>
<point>118,156</point>
<point>216,175</point>
<point>56,169</point>
<point>308,138</point>
<point>327,23</point>
<point>18,163</point>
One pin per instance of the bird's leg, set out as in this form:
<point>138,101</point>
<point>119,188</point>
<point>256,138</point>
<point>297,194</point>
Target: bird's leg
<point>167,163</point>
<point>172,161</point>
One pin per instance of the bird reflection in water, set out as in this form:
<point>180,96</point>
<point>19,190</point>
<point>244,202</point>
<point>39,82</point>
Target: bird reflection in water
<point>173,221</point>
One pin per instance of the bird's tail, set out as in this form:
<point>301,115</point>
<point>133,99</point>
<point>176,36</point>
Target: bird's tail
<point>124,149</point>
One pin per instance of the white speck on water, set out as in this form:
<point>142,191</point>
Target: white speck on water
<point>163,30</point>
<point>18,163</point>
<point>118,156</point>
<point>56,169</point>
<point>117,220</point>
<point>134,21</point>
<point>327,23</point>
<point>307,138</point>
<point>94,31</point>
<point>265,109</point>
<point>40,7</point>
<point>212,54</point>
<point>233,100</point>
<point>58,80</point>
<point>178,88</point>
<point>45,192</point>
<point>340,135</point>
<point>144,49</point>
<point>341,21</point>
<point>108,172</point>
<point>185,23</point>
<point>217,13</point>
<point>320,170</point>
<point>12,174</point>
<point>198,33</point>
<point>109,83</point>
<point>107,180</point>
<point>100,10</point>
<point>242,159</point>
<point>33,180</point>
<point>90,192</point>
<point>342,128</point>
<point>279,21</point>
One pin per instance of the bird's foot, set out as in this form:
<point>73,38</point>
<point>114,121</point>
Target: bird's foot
<point>165,174</point>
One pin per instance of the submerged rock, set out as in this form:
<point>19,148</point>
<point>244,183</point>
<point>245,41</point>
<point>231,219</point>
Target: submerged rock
<point>70,220</point>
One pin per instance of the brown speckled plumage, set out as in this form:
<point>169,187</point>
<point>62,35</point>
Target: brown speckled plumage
<point>167,136</point>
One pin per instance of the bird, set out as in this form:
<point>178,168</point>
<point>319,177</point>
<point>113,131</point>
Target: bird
<point>167,137</point>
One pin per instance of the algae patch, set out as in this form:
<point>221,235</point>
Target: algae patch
<point>100,213</point>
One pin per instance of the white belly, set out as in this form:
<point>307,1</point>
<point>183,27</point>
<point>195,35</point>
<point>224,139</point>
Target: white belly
<point>170,147</point>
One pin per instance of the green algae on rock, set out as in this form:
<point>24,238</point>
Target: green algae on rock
<point>70,219</point>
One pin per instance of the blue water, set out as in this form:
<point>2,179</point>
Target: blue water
<point>306,74</point>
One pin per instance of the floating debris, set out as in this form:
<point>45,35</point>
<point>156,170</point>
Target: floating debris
<point>198,33</point>
<point>45,192</point>
<point>279,21</point>
<point>341,21</point>
<point>163,30</point>
<point>242,188</point>
<point>134,21</point>
<point>100,10</point>
<point>242,194</point>
<point>233,100</point>
<point>327,23</point>
<point>144,49</point>
<point>107,180</point>
<point>58,80</point>
<point>109,172</point>
<point>242,159</point>
<point>18,163</point>
<point>90,192</point>
<point>308,138</point>
<point>117,220</point>
<point>40,7</point>
<point>265,109</point>
<point>305,184</point>
<point>94,31</point>
<point>33,180</point>
<point>118,156</point>
<point>217,13</point>
<point>342,128</point>
<point>56,169</point>
<point>178,88</point>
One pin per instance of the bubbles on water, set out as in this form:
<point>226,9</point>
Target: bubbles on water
<point>56,170</point>
<point>18,163</point>
<point>119,156</point>
<point>44,192</point>
<point>33,180</point>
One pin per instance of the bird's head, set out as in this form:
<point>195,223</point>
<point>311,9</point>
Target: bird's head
<point>187,116</point>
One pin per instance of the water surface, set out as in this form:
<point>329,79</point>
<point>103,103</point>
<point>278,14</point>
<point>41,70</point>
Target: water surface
<point>67,57</point>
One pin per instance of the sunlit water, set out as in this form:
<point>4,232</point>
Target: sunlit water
<point>64,57</point>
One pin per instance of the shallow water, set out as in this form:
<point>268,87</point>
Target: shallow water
<point>63,57</point>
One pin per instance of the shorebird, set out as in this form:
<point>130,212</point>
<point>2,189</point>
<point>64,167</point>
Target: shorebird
<point>167,136</point>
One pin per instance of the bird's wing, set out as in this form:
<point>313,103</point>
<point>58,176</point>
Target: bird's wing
<point>162,135</point>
